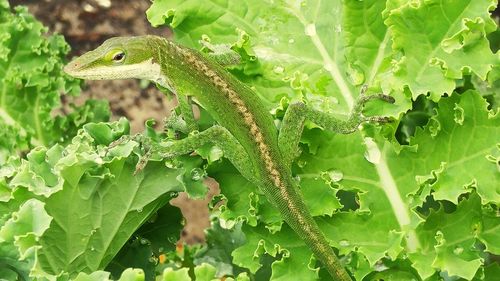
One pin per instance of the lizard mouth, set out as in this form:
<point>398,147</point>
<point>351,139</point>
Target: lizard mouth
<point>71,68</point>
<point>75,69</point>
<point>143,70</point>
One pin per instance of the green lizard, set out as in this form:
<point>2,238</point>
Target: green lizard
<point>245,132</point>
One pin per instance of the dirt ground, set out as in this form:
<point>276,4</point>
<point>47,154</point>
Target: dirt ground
<point>85,24</point>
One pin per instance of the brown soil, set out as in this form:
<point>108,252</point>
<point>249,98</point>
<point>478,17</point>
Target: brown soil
<point>85,24</point>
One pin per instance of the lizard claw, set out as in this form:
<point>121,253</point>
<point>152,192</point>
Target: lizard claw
<point>153,149</point>
<point>357,117</point>
<point>383,97</point>
<point>363,99</point>
<point>119,141</point>
<point>143,161</point>
<point>378,119</point>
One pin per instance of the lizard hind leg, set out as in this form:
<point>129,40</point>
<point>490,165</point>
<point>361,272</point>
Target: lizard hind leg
<point>296,114</point>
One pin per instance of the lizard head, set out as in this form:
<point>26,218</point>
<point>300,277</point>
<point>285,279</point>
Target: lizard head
<point>117,58</point>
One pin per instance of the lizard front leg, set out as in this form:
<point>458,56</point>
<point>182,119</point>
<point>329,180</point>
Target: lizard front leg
<point>297,113</point>
<point>182,121</point>
<point>215,135</point>
<point>221,53</point>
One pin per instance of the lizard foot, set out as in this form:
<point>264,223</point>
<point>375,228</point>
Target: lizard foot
<point>356,117</point>
<point>364,98</point>
<point>153,150</point>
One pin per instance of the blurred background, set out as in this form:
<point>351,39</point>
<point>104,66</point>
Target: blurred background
<point>85,24</point>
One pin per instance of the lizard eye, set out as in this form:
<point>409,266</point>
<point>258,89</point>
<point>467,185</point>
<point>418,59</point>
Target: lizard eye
<point>118,57</point>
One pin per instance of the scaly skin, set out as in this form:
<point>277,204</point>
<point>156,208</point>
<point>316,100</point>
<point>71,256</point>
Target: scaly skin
<point>235,107</point>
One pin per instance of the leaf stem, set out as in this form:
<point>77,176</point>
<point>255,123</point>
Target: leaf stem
<point>390,188</point>
<point>329,64</point>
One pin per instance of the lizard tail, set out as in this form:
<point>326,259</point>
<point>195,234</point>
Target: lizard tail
<point>295,213</point>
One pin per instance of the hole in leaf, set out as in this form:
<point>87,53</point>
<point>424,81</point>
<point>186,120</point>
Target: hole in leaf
<point>418,116</point>
<point>266,260</point>
<point>349,200</point>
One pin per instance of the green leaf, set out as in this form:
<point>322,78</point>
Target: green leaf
<point>293,259</point>
<point>240,194</point>
<point>461,140</point>
<point>369,53</point>
<point>98,204</point>
<point>18,236</point>
<point>180,274</point>
<point>220,244</point>
<point>162,230</point>
<point>425,208</point>
<point>491,272</point>
<point>448,145</point>
<point>361,180</point>
<point>193,177</point>
<point>438,41</point>
<point>30,219</point>
<point>449,240</point>
<point>115,202</point>
<point>155,237</point>
<point>31,83</point>
<point>137,254</point>
<point>367,38</point>
<point>277,35</point>
<point>128,275</point>
<point>205,272</point>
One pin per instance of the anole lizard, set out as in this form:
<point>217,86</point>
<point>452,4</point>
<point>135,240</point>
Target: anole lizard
<point>245,132</point>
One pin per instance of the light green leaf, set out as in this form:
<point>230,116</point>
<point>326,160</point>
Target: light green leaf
<point>180,274</point>
<point>31,83</point>
<point>438,41</point>
<point>19,236</point>
<point>321,48</point>
<point>131,274</point>
<point>367,38</point>
<point>293,263</point>
<point>99,202</point>
<point>278,34</point>
<point>128,274</point>
<point>449,240</point>
<point>94,276</point>
<point>205,272</point>
<point>220,243</point>
<point>202,272</point>
<point>30,219</point>
<point>461,140</point>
